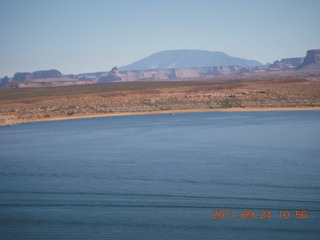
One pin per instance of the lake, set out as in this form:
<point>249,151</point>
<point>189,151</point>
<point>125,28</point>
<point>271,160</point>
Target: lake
<point>163,177</point>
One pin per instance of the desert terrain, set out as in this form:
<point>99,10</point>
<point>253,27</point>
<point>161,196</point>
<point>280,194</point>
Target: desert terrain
<point>21,105</point>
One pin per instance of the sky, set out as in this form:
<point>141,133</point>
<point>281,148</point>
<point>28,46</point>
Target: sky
<point>80,36</point>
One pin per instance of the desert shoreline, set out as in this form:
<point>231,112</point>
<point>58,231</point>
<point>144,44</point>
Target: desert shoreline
<point>172,112</point>
<point>122,99</point>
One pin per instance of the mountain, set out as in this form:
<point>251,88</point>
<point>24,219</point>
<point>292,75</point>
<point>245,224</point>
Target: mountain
<point>22,76</point>
<point>311,61</point>
<point>45,78</point>
<point>188,59</point>
<point>170,65</point>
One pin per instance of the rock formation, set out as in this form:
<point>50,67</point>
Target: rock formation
<point>22,76</point>
<point>45,78</point>
<point>46,74</point>
<point>112,76</point>
<point>285,64</point>
<point>50,78</point>
<point>311,61</point>
<point>4,81</point>
<point>116,75</point>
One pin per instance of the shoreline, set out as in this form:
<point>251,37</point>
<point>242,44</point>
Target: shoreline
<point>249,109</point>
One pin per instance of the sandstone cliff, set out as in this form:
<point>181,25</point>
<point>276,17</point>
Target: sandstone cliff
<point>22,76</point>
<point>286,64</point>
<point>46,74</point>
<point>311,61</point>
<point>45,78</point>
<point>172,73</point>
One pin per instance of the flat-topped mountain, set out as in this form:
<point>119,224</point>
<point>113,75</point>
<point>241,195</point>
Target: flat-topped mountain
<point>44,78</point>
<point>188,59</point>
<point>311,61</point>
<point>22,76</point>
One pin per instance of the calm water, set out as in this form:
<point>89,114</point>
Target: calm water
<point>161,176</point>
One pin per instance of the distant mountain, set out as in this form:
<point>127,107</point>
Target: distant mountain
<point>188,59</point>
<point>285,64</point>
<point>4,81</point>
<point>44,78</point>
<point>311,61</point>
<point>22,76</point>
<point>116,75</point>
<point>173,65</point>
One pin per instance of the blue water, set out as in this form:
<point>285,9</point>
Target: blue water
<point>161,176</point>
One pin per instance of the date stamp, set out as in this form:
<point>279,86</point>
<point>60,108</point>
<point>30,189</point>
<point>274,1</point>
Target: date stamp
<point>263,214</point>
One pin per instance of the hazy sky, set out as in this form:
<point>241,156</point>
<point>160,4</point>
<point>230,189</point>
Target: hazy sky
<point>77,36</point>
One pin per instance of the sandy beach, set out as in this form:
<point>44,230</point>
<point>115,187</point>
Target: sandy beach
<point>252,109</point>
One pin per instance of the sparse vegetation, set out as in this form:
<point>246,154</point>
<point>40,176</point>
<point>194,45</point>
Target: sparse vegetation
<point>39,103</point>
<point>165,108</point>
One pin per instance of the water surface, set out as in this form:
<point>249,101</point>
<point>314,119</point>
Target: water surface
<point>161,176</point>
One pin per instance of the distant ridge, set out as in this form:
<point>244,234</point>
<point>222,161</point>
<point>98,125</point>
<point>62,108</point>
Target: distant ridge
<point>173,65</point>
<point>188,59</point>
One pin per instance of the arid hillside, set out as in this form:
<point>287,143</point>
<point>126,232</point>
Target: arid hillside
<point>19,105</point>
